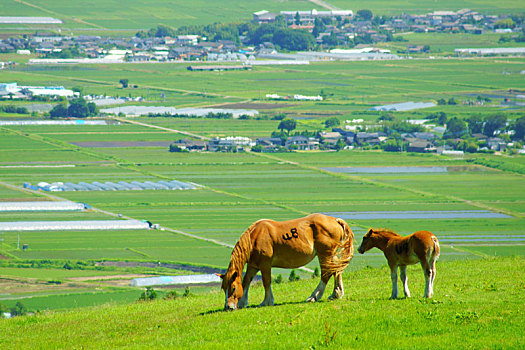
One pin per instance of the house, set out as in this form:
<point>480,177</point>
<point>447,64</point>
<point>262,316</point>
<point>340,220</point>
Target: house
<point>191,145</point>
<point>496,144</point>
<point>371,138</point>
<point>421,146</point>
<point>301,143</point>
<point>269,143</point>
<point>263,17</point>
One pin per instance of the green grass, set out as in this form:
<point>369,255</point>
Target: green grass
<point>477,304</point>
<point>421,7</point>
<point>137,15</point>
<point>350,86</point>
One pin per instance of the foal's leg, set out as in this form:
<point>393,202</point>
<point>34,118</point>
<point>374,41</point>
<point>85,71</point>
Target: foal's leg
<point>427,271</point>
<point>403,270</point>
<point>339,290</point>
<point>267,283</point>
<point>248,277</point>
<point>393,276</point>
<point>433,270</point>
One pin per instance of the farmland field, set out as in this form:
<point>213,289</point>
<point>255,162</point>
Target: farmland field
<point>200,226</point>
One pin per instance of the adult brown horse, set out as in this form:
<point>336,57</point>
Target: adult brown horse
<point>288,244</point>
<point>421,246</point>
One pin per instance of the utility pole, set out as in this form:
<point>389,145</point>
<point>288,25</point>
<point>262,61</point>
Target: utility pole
<point>18,243</point>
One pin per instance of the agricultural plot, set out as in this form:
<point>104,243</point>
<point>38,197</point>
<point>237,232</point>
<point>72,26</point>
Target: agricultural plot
<point>240,188</point>
<point>345,84</point>
<point>138,15</point>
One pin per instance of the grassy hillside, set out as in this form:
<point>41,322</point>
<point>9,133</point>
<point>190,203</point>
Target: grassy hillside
<point>477,304</point>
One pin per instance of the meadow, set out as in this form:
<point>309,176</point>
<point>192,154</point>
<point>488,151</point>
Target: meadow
<point>477,304</point>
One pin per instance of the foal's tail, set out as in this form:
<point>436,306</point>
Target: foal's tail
<point>344,252</point>
<point>434,253</point>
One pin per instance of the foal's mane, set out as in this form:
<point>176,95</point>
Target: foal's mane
<point>386,232</point>
<point>242,250</point>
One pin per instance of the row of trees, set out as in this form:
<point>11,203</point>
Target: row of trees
<point>489,126</point>
<point>78,108</point>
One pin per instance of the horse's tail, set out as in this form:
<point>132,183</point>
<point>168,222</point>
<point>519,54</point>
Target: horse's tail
<point>344,252</point>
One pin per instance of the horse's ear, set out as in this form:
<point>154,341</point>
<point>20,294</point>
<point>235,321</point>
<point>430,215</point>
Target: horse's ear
<point>370,230</point>
<point>220,275</point>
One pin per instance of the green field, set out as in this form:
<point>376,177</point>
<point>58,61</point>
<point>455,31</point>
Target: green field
<point>240,188</point>
<point>477,304</point>
<point>104,15</point>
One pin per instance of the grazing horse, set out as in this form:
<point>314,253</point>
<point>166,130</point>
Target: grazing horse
<point>421,246</point>
<point>288,244</point>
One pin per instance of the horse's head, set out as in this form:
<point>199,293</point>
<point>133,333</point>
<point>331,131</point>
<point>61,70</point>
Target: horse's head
<point>368,242</point>
<point>232,286</point>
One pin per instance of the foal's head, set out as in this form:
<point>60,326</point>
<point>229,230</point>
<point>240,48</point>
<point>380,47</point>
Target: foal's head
<point>232,286</point>
<point>369,240</point>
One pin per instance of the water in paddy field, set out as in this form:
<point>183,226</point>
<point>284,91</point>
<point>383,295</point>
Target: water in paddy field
<point>401,169</point>
<point>423,214</point>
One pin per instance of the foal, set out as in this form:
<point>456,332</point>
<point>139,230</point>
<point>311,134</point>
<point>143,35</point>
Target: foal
<point>421,246</point>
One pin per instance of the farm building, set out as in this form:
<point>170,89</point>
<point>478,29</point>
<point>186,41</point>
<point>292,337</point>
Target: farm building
<point>168,280</point>
<point>73,225</point>
<point>218,68</point>
<point>13,88</point>
<point>112,186</point>
<point>41,206</point>
<point>405,106</point>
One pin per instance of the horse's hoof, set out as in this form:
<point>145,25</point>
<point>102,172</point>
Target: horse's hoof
<point>311,300</point>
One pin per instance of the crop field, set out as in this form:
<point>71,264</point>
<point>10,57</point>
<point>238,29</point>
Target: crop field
<point>347,84</point>
<point>104,15</point>
<point>200,226</point>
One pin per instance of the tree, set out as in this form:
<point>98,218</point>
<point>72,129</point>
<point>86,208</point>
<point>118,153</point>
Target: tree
<point>441,102</point>
<point>519,129</point>
<point>293,276</point>
<point>124,83</point>
<point>330,122</point>
<point>493,123</point>
<point>78,108</point>
<point>287,124</point>
<point>451,101</point>
<point>78,89</point>
<point>148,294</point>
<point>297,18</point>
<point>475,124</point>
<point>319,27</point>
<point>331,40</point>
<point>455,128</point>
<point>92,108</point>
<point>293,39</point>
<point>19,309</point>
<point>59,111</point>
<point>365,15</point>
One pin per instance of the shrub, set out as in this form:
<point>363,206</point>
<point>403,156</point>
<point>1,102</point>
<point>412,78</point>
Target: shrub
<point>148,294</point>
<point>293,276</point>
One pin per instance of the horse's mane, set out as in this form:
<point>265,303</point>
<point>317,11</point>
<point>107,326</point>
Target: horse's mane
<point>242,250</point>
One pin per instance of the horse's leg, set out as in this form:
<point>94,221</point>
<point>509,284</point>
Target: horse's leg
<point>266,272</point>
<point>393,276</point>
<point>339,290</point>
<point>248,277</point>
<point>403,270</point>
<point>318,292</point>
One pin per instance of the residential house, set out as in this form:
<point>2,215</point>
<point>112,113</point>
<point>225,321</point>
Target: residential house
<point>302,143</point>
